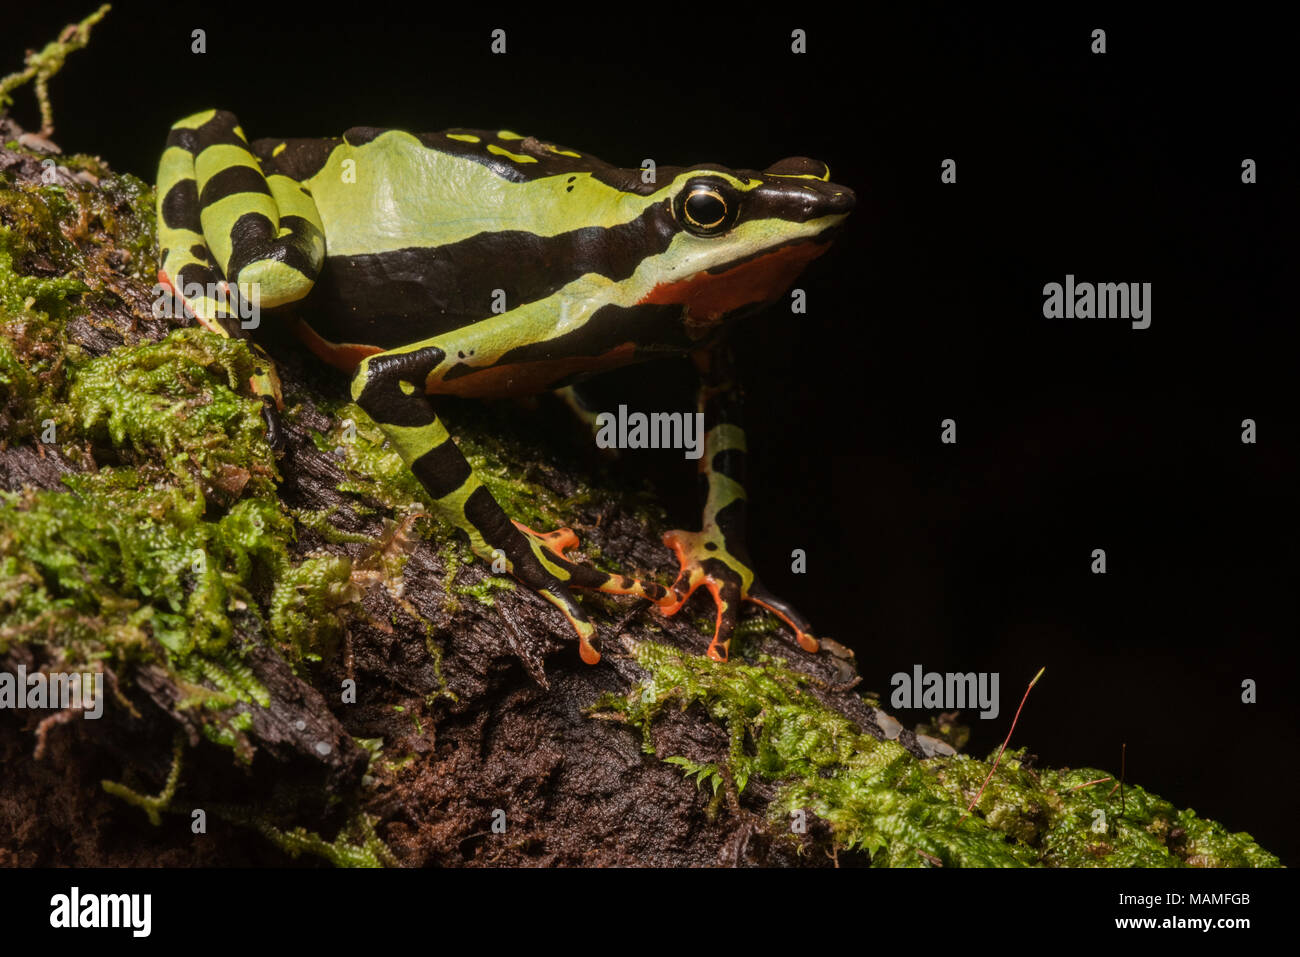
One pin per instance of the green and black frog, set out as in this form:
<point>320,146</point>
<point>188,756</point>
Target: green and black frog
<point>488,264</point>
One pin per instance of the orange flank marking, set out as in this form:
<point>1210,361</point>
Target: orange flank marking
<point>346,356</point>
<point>761,279</point>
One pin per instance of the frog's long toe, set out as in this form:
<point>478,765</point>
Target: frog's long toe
<point>559,596</point>
<point>782,609</point>
<point>705,563</point>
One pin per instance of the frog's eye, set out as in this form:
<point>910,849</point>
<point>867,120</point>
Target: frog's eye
<point>704,209</point>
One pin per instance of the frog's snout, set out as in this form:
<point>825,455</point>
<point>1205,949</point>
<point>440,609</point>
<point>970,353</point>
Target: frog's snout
<point>836,200</point>
<point>805,185</point>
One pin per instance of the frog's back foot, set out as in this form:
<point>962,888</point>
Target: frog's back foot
<point>706,563</point>
<point>555,544</point>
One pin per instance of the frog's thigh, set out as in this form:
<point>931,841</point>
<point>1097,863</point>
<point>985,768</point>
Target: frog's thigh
<point>215,208</point>
<point>390,387</point>
<point>258,229</point>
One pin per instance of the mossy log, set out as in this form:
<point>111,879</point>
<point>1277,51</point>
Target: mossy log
<point>294,646</point>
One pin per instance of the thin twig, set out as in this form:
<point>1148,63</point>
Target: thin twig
<point>1123,759</point>
<point>43,65</point>
<point>1004,745</point>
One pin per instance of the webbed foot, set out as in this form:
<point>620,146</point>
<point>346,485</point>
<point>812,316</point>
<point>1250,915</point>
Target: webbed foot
<point>549,549</point>
<point>705,562</point>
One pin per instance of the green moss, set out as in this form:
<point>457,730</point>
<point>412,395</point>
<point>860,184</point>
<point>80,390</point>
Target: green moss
<point>137,562</point>
<point>356,844</point>
<point>171,548</point>
<point>153,805</point>
<point>454,556</point>
<point>179,397</point>
<point>33,347</point>
<point>878,798</point>
<point>156,558</point>
<point>303,605</point>
<point>1144,830</point>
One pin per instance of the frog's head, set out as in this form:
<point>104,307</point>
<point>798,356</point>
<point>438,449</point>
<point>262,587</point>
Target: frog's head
<point>739,238</point>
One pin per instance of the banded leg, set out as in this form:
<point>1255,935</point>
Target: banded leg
<point>229,232</point>
<point>391,388</point>
<point>715,557</point>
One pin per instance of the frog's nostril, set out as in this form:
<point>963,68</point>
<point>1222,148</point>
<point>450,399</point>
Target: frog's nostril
<point>830,199</point>
<point>840,199</point>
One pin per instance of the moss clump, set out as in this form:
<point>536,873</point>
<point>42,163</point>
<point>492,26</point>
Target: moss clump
<point>179,396</point>
<point>305,603</point>
<point>1144,830</point>
<point>879,798</point>
<point>33,348</point>
<point>356,844</point>
<point>165,554</point>
<point>127,567</point>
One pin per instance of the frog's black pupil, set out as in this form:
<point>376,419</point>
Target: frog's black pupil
<point>705,208</point>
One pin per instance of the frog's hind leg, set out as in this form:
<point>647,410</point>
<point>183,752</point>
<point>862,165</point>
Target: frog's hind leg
<point>715,557</point>
<point>391,388</point>
<point>232,236</point>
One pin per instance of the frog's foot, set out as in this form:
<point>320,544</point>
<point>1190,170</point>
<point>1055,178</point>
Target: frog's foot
<point>534,565</point>
<point>705,562</point>
<point>550,548</point>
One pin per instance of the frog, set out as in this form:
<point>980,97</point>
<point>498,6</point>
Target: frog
<point>488,264</point>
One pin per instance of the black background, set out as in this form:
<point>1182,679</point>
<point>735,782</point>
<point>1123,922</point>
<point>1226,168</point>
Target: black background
<point>1073,434</point>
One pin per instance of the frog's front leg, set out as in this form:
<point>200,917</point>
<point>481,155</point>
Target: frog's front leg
<point>391,388</point>
<point>715,557</point>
